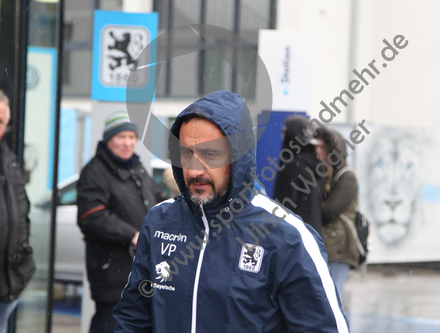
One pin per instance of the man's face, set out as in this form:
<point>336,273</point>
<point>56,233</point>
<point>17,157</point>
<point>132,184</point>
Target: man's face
<point>205,158</point>
<point>122,144</point>
<point>3,120</point>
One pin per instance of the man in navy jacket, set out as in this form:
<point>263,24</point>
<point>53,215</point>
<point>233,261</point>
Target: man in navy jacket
<point>221,257</point>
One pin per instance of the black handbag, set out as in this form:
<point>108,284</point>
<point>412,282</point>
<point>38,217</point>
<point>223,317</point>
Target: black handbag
<point>360,228</point>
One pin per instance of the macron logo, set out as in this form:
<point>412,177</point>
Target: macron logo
<point>170,237</point>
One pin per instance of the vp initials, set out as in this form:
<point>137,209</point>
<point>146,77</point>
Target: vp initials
<point>170,247</point>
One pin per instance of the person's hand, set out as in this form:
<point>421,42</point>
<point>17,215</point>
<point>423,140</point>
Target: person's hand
<point>134,240</point>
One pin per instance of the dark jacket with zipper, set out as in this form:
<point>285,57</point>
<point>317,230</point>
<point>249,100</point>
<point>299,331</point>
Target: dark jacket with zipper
<point>193,272</point>
<point>16,261</point>
<point>306,197</point>
<point>112,202</point>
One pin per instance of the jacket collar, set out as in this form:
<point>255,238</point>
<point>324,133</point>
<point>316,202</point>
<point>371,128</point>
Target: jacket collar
<point>6,156</point>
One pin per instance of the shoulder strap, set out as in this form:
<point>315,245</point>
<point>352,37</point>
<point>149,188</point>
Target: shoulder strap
<point>339,175</point>
<point>352,228</point>
<point>342,171</point>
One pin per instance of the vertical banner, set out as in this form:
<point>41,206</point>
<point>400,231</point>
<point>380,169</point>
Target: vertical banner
<point>290,58</point>
<point>118,41</point>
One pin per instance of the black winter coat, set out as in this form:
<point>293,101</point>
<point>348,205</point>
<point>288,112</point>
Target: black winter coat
<point>16,262</point>
<point>308,201</point>
<point>112,203</point>
<point>298,181</point>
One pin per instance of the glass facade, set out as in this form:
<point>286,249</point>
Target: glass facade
<point>199,73</point>
<point>183,77</point>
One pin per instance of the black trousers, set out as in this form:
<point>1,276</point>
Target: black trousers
<point>103,321</point>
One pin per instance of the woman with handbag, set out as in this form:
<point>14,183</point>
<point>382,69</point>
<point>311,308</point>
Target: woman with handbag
<point>338,207</point>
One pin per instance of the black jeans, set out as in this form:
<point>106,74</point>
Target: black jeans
<point>103,321</point>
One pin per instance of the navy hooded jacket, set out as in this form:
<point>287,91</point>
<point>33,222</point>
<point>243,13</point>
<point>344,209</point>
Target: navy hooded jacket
<point>241,263</point>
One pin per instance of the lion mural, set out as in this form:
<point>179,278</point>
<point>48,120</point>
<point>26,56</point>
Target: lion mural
<point>393,184</point>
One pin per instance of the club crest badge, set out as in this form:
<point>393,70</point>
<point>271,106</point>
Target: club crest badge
<point>162,269</point>
<point>251,258</point>
<point>120,51</point>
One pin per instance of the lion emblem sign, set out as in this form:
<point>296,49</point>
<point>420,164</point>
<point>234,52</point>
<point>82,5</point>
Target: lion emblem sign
<point>163,270</point>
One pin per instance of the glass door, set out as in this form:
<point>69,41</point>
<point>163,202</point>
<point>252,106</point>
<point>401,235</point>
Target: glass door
<point>39,146</point>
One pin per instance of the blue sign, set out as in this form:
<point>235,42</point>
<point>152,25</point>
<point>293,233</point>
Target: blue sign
<point>271,142</point>
<point>118,41</point>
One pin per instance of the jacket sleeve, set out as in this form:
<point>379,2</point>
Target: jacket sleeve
<point>308,299</point>
<point>94,216</point>
<point>343,192</point>
<point>133,311</point>
<point>20,265</point>
<point>22,203</point>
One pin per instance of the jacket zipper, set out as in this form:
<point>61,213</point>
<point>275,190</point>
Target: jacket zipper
<point>199,266</point>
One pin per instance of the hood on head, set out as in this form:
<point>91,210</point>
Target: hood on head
<point>295,126</point>
<point>231,115</point>
<point>341,147</point>
<point>334,143</point>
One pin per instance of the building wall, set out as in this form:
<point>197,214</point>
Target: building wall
<point>406,93</point>
<point>408,86</point>
<point>330,20</point>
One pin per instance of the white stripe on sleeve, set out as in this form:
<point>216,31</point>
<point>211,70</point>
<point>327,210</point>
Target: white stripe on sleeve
<point>312,248</point>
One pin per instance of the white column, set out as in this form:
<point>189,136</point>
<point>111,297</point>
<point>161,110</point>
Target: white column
<point>137,6</point>
<point>87,304</point>
<point>331,23</point>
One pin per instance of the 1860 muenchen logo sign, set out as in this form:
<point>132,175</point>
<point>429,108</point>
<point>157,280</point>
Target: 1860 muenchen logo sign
<point>120,50</point>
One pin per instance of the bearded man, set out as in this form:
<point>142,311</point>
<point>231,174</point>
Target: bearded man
<point>202,266</point>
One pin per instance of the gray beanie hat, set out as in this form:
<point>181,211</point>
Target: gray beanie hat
<point>117,122</point>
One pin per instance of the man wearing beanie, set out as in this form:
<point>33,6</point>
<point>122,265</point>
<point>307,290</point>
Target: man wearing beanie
<point>114,194</point>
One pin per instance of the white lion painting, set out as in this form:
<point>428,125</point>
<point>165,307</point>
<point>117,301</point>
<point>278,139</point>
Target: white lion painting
<point>393,184</point>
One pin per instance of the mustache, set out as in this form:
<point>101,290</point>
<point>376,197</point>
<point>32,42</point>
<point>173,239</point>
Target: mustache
<point>198,180</point>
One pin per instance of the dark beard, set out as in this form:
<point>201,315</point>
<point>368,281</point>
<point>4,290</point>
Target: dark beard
<point>215,194</point>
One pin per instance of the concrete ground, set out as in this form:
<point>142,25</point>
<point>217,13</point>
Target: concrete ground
<point>66,324</point>
<point>382,299</point>
<point>390,299</point>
